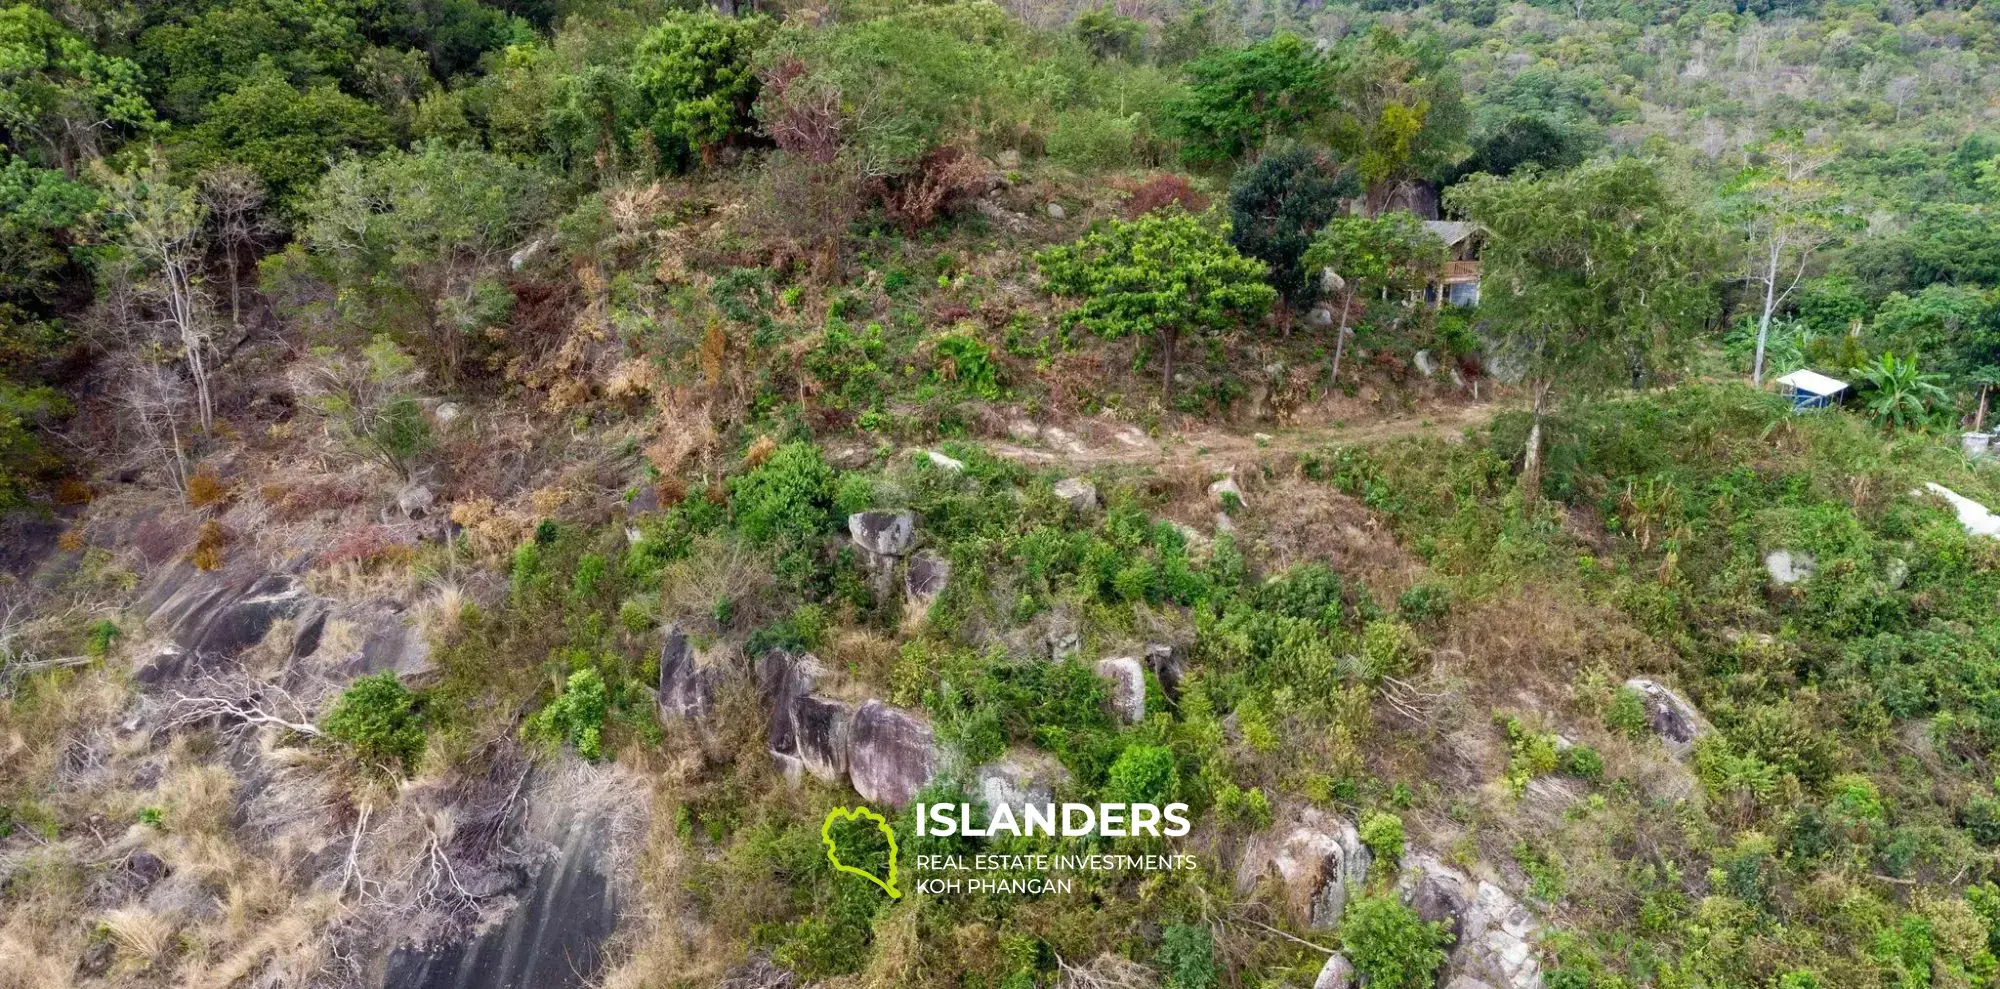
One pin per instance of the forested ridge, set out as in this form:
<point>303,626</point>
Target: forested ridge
<point>480,481</point>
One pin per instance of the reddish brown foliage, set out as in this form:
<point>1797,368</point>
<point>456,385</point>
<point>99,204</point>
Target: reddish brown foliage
<point>366,545</point>
<point>1162,190</point>
<point>802,117</point>
<point>944,180</point>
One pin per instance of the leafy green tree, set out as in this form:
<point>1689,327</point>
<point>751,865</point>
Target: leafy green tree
<point>1522,141</point>
<point>39,211</point>
<point>382,720</point>
<point>203,54</point>
<point>1391,947</point>
<point>59,98</point>
<point>1402,113</point>
<point>285,134</point>
<point>1277,205</point>
<point>696,78</point>
<point>422,236</point>
<point>1899,395</point>
<point>1390,255</point>
<point>1590,277</point>
<point>1109,34</point>
<point>1240,99</point>
<point>1162,275</point>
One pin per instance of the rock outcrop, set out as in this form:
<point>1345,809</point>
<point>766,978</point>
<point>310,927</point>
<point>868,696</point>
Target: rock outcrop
<point>886,753</point>
<point>1081,494</point>
<point>1128,688</point>
<point>1020,776</point>
<point>1168,667</point>
<point>1672,718</point>
<point>926,577</point>
<point>566,906</point>
<point>783,680</point>
<point>1787,567</point>
<point>1495,935</point>
<point>821,737</point>
<point>892,755</point>
<point>1337,973</point>
<point>883,534</point>
<point>1317,858</point>
<point>687,684</point>
<point>213,616</point>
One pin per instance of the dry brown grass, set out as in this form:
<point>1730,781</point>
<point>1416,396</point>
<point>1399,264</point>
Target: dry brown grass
<point>139,932</point>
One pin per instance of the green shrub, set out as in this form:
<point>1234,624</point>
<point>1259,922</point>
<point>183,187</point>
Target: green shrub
<point>696,80</point>
<point>1627,713</point>
<point>1424,603</point>
<point>1390,946</point>
<point>1143,774</point>
<point>576,716</point>
<point>1388,648</point>
<point>791,496</point>
<point>1187,957</point>
<point>1383,834</point>
<point>381,719</point>
<point>1092,140</point>
<point>1583,762</point>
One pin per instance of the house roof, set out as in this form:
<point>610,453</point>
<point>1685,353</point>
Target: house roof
<point>1813,383</point>
<point>1451,231</point>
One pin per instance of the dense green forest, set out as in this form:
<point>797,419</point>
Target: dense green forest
<point>450,450</point>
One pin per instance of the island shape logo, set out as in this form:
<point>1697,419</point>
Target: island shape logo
<point>833,848</point>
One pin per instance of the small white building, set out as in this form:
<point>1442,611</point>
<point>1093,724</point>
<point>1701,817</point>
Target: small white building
<point>1811,390</point>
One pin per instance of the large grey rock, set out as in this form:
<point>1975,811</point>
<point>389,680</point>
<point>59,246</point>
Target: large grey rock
<point>821,732</point>
<point>1787,568</point>
<point>415,501</point>
<point>925,578</point>
<point>782,680</point>
<point>1020,776</point>
<point>1081,494</point>
<point>1319,861</point>
<point>213,616</point>
<point>553,938</point>
<point>1337,973</point>
<point>1495,934</point>
<point>892,754</point>
<point>1672,718</point>
<point>687,684</point>
<point>1128,687</point>
<point>1168,667</point>
<point>883,533</point>
<point>946,463</point>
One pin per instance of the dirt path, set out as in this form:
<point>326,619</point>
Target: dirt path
<point>1126,444</point>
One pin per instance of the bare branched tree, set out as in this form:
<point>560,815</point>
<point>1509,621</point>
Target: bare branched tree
<point>235,197</point>
<point>159,225</point>
<point>240,702</point>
